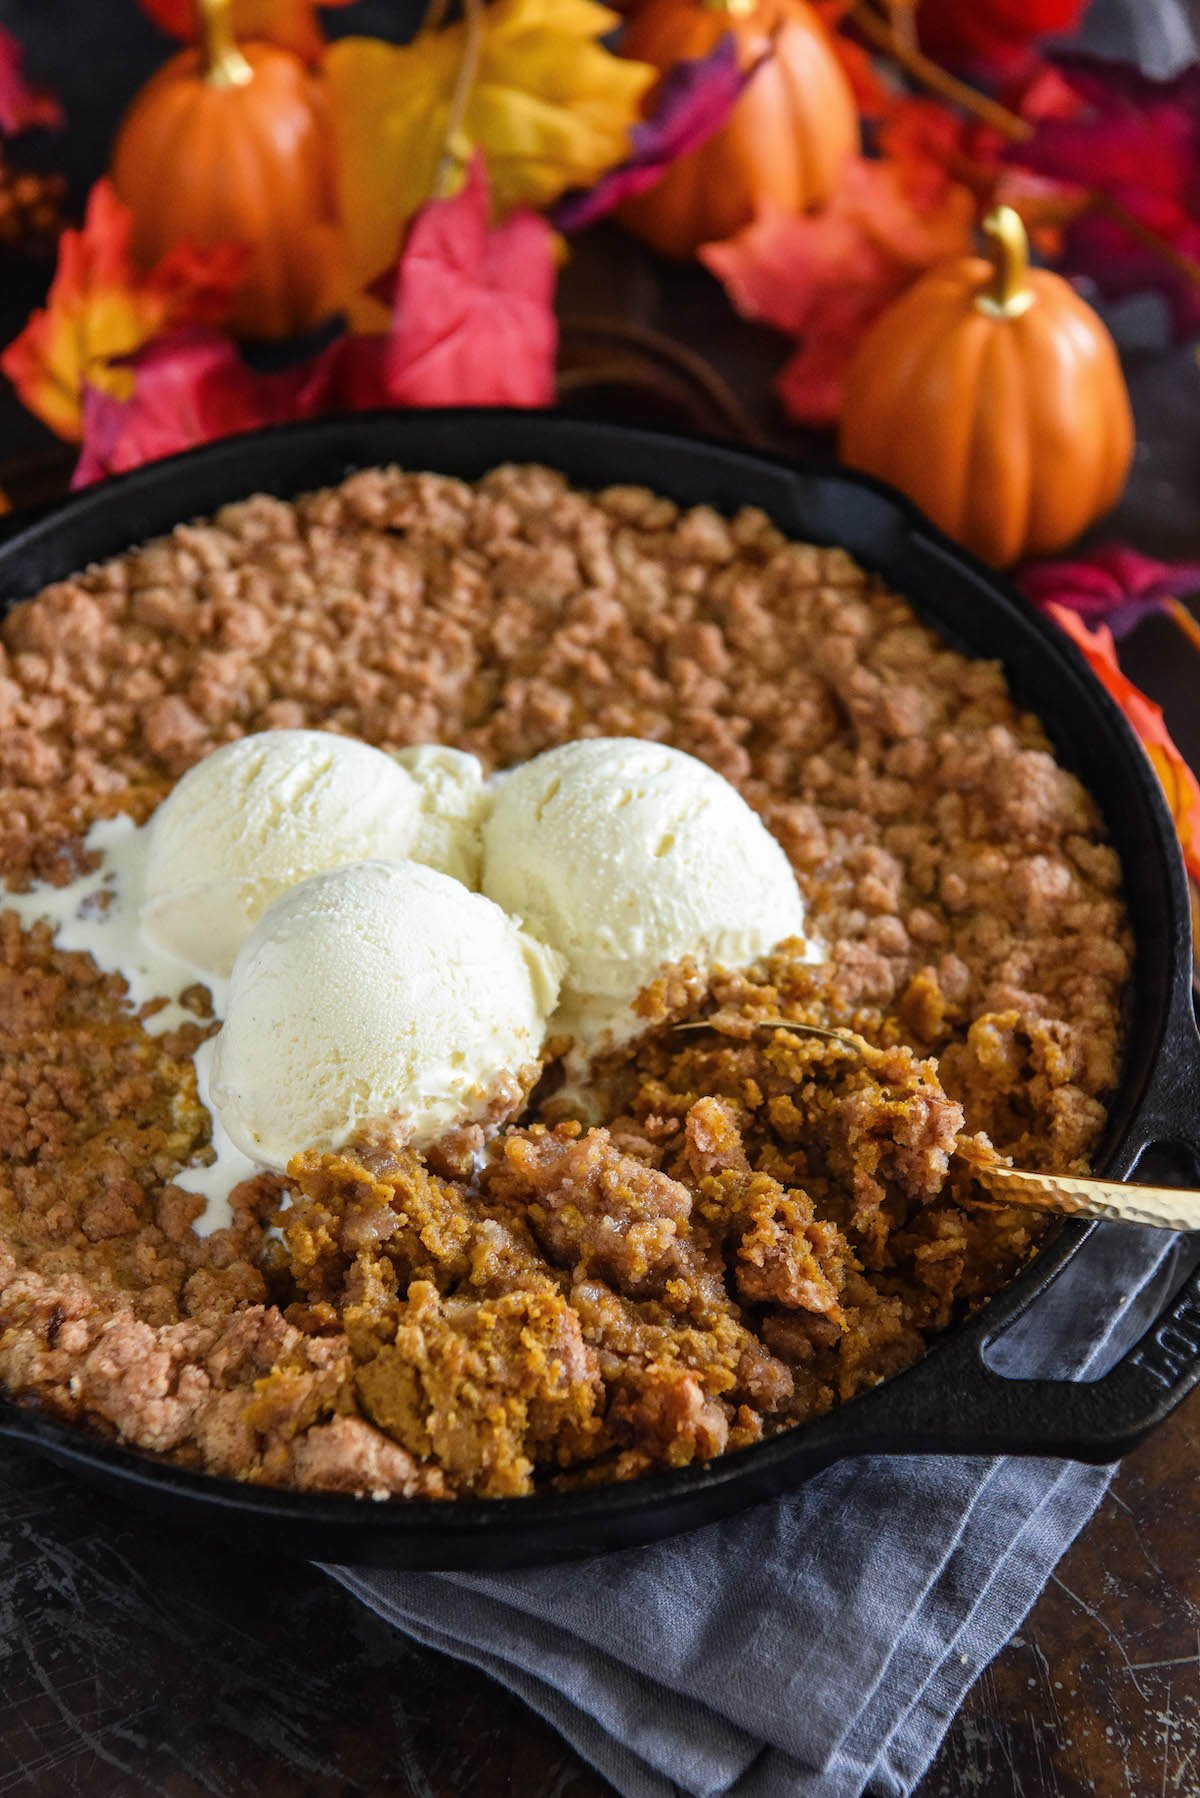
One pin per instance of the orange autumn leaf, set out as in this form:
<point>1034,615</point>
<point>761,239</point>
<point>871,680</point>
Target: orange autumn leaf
<point>293,24</point>
<point>100,310</point>
<point>1178,782</point>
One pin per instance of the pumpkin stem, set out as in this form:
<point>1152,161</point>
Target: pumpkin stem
<point>224,64</point>
<point>1008,294</point>
<point>732,9</point>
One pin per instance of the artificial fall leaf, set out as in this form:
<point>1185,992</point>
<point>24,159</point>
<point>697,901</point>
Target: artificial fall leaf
<point>549,107</point>
<point>1120,263</point>
<point>1042,93</point>
<point>824,278</point>
<point>471,325</point>
<point>473,317</point>
<point>1178,782</point>
<point>193,386</point>
<point>1130,132</point>
<point>188,388</point>
<point>694,100</point>
<point>992,37</point>
<point>1136,143</point>
<point>290,23</point>
<point>100,310</point>
<point>1115,586</point>
<point>22,106</point>
<point>932,145</point>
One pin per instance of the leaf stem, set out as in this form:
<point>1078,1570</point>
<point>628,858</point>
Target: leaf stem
<point>880,32</point>
<point>453,152</point>
<point>1129,221</point>
<point>903,17</point>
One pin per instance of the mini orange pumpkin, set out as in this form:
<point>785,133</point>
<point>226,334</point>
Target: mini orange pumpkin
<point>230,144</point>
<point>993,396</point>
<point>784,143</point>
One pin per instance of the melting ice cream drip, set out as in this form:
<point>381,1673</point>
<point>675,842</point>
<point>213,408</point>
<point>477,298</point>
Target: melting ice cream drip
<point>229,1168</point>
<point>99,915</point>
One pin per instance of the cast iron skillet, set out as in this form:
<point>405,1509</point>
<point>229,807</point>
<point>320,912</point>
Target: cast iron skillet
<point>950,1402</point>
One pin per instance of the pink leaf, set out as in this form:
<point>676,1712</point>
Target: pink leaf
<point>826,277</point>
<point>189,387</point>
<point>1115,585</point>
<point>473,321</point>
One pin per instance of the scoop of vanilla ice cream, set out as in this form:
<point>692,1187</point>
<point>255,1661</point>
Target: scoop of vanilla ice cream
<point>453,799</point>
<point>257,817</point>
<point>626,856</point>
<point>381,990</point>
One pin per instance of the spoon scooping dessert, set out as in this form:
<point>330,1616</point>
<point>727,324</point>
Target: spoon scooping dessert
<point>1064,1195</point>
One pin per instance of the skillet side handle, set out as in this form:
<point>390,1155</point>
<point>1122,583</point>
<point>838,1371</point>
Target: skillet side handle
<point>963,1407</point>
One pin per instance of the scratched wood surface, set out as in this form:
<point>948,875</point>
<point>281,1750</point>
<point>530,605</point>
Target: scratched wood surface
<point>135,1661</point>
<point>138,1662</point>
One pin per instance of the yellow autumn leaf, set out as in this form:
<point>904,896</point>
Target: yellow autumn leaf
<point>550,108</point>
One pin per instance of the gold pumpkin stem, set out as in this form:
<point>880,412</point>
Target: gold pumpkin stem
<point>224,64</point>
<point>1008,294</point>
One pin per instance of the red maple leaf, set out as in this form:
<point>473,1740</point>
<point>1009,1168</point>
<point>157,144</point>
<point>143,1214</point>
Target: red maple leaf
<point>824,278</point>
<point>473,319</point>
<point>101,310</point>
<point>22,106</point>
<point>188,388</point>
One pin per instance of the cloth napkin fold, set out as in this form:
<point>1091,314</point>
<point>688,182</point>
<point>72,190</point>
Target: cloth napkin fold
<point>818,1646</point>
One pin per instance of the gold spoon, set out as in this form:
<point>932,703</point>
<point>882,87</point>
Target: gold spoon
<point>1066,1195</point>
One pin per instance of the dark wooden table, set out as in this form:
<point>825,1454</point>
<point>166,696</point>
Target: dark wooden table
<point>136,1660</point>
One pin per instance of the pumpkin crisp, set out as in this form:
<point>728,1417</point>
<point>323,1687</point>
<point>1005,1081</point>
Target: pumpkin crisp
<point>749,1226</point>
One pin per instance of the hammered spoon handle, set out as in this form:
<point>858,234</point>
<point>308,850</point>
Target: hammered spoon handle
<point>1063,1195</point>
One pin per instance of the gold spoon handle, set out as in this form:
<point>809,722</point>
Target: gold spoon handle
<point>1063,1195</point>
<point>1070,1195</point>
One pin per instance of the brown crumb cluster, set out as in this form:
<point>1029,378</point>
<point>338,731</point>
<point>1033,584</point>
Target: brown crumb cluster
<point>764,1225</point>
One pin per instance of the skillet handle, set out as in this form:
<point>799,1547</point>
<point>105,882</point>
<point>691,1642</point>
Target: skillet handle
<point>953,1403</point>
